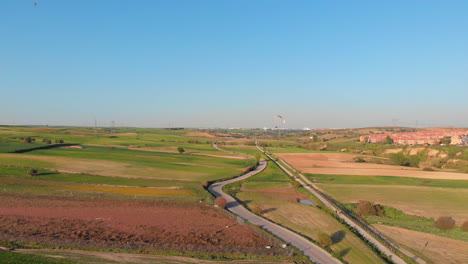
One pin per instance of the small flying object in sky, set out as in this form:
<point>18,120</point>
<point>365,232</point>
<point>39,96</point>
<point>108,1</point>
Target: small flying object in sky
<point>279,116</point>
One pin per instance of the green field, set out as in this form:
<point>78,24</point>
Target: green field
<point>16,258</point>
<point>398,218</point>
<point>93,166</point>
<point>385,180</point>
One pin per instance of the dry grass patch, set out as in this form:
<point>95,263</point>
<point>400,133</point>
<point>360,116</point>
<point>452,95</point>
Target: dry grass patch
<point>438,249</point>
<point>129,190</point>
<point>309,221</point>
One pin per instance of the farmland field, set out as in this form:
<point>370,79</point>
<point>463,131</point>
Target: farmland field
<point>138,225</point>
<point>412,199</point>
<point>126,189</point>
<point>338,163</point>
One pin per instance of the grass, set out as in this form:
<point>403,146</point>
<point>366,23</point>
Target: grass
<point>12,146</point>
<point>16,258</point>
<point>272,173</point>
<point>131,163</point>
<point>395,217</point>
<point>385,180</point>
<point>111,170</point>
<point>431,202</point>
<point>46,175</point>
<point>91,186</point>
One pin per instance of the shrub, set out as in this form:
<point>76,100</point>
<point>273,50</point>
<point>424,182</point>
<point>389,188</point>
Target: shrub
<point>407,160</point>
<point>220,202</point>
<point>181,150</point>
<point>324,240</point>
<point>368,208</point>
<point>400,159</point>
<point>359,160</point>
<point>295,184</point>
<point>464,226</point>
<point>428,169</point>
<point>32,172</point>
<point>444,223</point>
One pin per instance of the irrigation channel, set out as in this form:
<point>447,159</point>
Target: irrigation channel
<point>372,236</point>
<point>309,249</point>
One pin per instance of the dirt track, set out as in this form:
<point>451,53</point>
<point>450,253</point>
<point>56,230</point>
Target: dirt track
<point>335,163</point>
<point>112,258</point>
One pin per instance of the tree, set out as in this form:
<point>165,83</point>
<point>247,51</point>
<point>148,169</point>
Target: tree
<point>181,150</point>
<point>32,172</point>
<point>388,140</point>
<point>446,141</point>
<point>324,240</point>
<point>258,156</point>
<point>444,223</point>
<point>314,138</point>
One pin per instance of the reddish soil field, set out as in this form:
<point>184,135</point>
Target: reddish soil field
<point>128,225</point>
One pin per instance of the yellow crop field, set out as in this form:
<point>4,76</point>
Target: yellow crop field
<point>129,190</point>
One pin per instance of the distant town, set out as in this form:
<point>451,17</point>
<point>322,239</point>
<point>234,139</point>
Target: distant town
<point>433,137</point>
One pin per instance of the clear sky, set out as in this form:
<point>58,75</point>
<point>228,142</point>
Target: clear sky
<point>201,63</point>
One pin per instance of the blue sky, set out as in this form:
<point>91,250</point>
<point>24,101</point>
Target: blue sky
<point>234,63</point>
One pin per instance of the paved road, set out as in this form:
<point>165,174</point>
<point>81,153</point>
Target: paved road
<point>306,184</point>
<point>313,252</point>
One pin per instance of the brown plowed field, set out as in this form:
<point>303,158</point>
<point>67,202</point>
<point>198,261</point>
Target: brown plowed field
<point>336,163</point>
<point>126,224</point>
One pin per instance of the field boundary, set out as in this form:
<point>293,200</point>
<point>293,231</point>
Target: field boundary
<point>44,147</point>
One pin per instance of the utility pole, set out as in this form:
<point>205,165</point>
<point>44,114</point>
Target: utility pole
<point>95,127</point>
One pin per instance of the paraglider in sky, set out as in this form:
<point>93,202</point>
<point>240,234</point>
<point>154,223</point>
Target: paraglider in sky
<point>284,120</point>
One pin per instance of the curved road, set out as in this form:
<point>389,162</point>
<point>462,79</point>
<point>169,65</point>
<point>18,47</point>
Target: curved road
<point>312,251</point>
